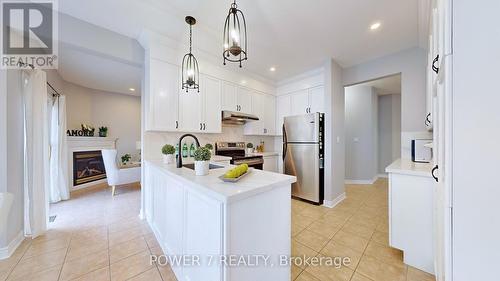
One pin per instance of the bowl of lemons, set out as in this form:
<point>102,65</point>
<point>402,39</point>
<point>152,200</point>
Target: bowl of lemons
<point>236,173</point>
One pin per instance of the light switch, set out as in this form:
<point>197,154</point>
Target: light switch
<point>338,139</point>
<point>356,139</point>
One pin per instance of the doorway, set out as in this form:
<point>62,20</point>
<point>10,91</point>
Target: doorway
<point>372,128</point>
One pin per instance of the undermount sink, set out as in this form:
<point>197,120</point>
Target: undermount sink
<point>211,166</point>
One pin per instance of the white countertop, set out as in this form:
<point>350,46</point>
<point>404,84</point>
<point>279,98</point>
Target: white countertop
<point>264,154</point>
<point>254,183</point>
<point>408,167</point>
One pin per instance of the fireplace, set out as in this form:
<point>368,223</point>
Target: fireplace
<point>88,166</point>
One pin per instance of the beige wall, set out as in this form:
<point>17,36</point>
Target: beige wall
<point>121,113</point>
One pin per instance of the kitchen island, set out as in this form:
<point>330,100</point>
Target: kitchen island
<point>223,231</point>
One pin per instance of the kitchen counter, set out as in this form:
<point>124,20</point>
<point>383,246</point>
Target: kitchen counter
<point>408,167</point>
<point>204,216</point>
<point>256,182</point>
<point>264,154</point>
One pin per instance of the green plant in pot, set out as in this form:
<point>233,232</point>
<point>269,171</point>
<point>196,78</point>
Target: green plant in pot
<point>103,131</point>
<point>202,157</point>
<point>249,147</point>
<point>126,158</point>
<point>168,152</point>
<point>210,147</point>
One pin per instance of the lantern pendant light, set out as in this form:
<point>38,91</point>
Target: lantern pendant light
<point>190,70</point>
<point>235,36</point>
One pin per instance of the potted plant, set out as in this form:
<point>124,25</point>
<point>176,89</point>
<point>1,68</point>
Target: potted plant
<point>249,147</point>
<point>103,131</point>
<point>126,158</point>
<point>168,152</point>
<point>210,147</point>
<point>202,161</point>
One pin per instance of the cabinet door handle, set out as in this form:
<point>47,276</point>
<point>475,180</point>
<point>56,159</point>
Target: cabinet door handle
<point>201,126</point>
<point>204,126</point>
<point>434,67</point>
<point>427,120</point>
<point>176,124</point>
<point>433,175</point>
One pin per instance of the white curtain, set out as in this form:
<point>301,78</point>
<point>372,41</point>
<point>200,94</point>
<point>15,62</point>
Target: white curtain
<point>36,153</point>
<point>59,189</point>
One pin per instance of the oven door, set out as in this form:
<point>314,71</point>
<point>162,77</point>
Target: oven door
<point>256,163</point>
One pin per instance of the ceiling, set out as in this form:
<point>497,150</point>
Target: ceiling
<point>293,36</point>
<point>98,72</point>
<point>386,86</point>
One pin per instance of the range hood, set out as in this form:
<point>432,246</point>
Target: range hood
<point>237,118</point>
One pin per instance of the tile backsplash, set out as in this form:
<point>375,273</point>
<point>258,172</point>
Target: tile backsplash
<point>153,141</point>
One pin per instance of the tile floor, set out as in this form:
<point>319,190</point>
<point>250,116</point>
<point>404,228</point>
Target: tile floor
<point>95,237</point>
<point>98,237</point>
<point>356,228</point>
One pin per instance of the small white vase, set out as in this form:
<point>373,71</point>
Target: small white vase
<point>201,167</point>
<point>249,150</point>
<point>168,158</point>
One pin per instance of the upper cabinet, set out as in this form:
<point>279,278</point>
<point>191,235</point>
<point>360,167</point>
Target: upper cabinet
<point>264,107</point>
<point>299,103</point>
<point>201,112</point>
<point>235,98</point>
<point>162,106</point>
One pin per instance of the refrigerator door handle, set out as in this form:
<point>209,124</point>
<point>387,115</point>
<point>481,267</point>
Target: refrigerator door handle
<point>284,142</point>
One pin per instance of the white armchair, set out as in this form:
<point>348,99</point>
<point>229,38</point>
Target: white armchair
<point>115,175</point>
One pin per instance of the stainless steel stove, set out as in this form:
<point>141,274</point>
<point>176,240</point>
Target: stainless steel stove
<point>236,150</point>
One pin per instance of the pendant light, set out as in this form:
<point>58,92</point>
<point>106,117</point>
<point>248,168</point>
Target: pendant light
<point>190,70</point>
<point>235,36</point>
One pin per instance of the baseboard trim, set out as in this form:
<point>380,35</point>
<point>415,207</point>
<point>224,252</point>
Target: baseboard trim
<point>372,181</point>
<point>6,252</point>
<point>334,202</point>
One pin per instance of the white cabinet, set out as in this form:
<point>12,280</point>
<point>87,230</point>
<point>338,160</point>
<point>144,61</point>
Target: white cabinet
<point>229,97</point>
<point>201,112</point>
<point>317,99</point>
<point>203,219</point>
<point>244,100</point>
<point>283,105</point>
<point>271,164</point>
<point>269,115</point>
<point>264,107</point>
<point>162,97</point>
<point>300,103</point>
<point>211,101</point>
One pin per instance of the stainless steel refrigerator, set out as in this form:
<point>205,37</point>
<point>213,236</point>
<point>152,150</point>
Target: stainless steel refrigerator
<point>303,155</point>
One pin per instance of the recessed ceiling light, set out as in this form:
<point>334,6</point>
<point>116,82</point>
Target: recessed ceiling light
<point>273,69</point>
<point>132,89</point>
<point>375,26</point>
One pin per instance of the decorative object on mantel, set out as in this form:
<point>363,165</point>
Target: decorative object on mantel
<point>126,158</point>
<point>86,131</point>
<point>249,147</point>
<point>202,158</point>
<point>168,152</point>
<point>235,36</point>
<point>210,147</point>
<point>103,131</point>
<point>190,70</point>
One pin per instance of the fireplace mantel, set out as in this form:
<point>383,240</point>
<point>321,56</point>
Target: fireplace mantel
<point>79,144</point>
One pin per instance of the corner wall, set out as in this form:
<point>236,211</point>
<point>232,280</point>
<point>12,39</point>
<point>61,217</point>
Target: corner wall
<point>411,64</point>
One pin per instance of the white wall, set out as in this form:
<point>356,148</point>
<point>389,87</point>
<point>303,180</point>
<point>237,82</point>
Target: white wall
<point>334,133</point>
<point>389,132</point>
<point>155,140</point>
<point>14,155</point>
<point>361,133</point>
<point>121,113</point>
<point>475,147</point>
<point>3,143</point>
<point>411,64</point>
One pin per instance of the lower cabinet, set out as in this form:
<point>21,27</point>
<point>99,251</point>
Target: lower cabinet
<point>271,164</point>
<point>185,223</point>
